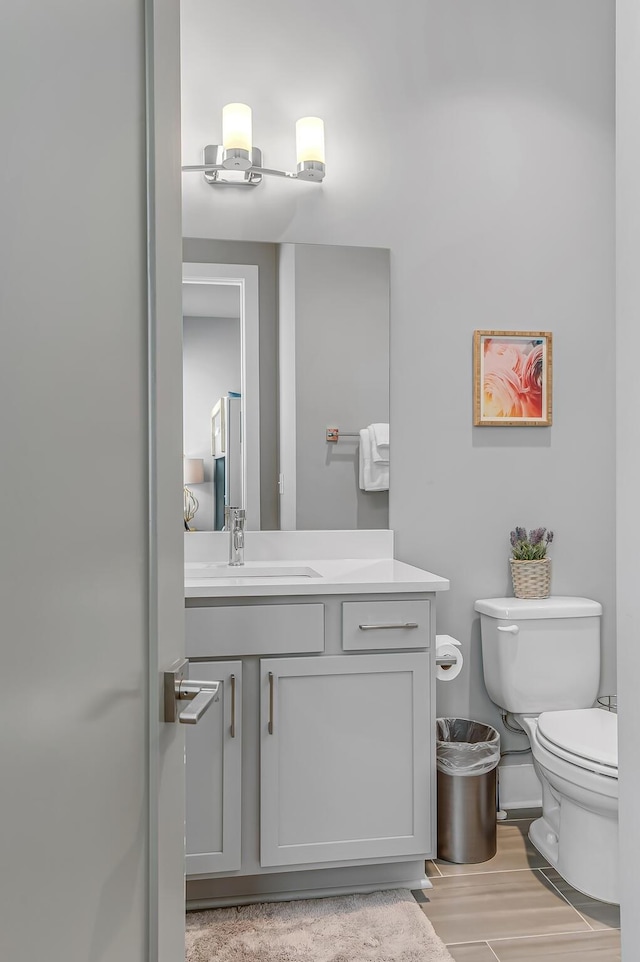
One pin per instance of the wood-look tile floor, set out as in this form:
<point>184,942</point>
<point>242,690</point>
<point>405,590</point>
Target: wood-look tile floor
<point>516,908</point>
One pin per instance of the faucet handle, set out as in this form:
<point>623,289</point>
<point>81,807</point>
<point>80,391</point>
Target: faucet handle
<point>231,514</point>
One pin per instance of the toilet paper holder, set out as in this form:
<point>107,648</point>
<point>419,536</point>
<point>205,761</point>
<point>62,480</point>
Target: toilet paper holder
<point>448,657</point>
<point>445,661</point>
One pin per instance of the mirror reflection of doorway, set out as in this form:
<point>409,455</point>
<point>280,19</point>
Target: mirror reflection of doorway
<point>323,360</point>
<point>221,388</point>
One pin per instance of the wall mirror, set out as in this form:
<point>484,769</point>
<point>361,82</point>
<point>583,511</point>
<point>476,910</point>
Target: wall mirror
<point>280,343</point>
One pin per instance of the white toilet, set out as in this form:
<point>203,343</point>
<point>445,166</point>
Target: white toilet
<point>541,661</point>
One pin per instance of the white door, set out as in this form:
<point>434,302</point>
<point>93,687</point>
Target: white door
<point>345,758</point>
<point>91,580</point>
<point>166,792</point>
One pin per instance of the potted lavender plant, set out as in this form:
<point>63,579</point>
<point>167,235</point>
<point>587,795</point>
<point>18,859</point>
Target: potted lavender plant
<point>530,567</point>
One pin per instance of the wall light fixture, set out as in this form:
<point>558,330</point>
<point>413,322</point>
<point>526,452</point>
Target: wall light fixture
<point>237,163</point>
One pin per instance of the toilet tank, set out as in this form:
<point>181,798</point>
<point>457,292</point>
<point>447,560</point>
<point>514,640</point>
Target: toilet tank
<point>541,654</point>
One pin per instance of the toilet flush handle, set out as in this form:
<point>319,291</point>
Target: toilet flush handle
<point>512,629</point>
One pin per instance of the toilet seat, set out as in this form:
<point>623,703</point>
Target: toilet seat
<point>587,738</point>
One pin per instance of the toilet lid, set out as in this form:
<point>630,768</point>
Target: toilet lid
<point>588,737</point>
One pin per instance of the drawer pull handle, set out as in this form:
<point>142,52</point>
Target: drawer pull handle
<point>271,703</point>
<point>407,624</point>
<point>233,706</point>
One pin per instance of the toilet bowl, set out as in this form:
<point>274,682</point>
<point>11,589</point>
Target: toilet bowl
<point>575,758</point>
<point>541,664</point>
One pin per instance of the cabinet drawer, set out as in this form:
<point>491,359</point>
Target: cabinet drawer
<point>254,630</point>
<point>368,625</point>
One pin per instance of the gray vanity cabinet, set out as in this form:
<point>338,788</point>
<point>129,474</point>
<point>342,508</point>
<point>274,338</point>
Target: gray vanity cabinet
<point>213,774</point>
<point>343,769</point>
<point>337,753</point>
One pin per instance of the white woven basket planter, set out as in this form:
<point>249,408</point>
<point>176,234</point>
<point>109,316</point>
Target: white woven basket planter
<point>531,579</point>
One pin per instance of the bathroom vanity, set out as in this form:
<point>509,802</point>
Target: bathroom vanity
<point>314,771</point>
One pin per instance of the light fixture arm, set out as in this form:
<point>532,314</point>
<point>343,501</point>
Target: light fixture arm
<point>237,163</point>
<point>220,170</point>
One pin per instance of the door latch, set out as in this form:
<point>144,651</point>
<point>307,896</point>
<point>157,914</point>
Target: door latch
<point>178,687</point>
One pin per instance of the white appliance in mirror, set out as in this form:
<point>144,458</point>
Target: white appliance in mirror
<point>314,356</point>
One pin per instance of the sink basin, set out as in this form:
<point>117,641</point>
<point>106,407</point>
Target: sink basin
<point>249,570</point>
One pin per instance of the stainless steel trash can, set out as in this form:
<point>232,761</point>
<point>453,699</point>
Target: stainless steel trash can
<point>467,756</point>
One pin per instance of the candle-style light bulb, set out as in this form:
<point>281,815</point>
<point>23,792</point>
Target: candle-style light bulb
<point>236,136</point>
<point>310,139</point>
<point>310,148</point>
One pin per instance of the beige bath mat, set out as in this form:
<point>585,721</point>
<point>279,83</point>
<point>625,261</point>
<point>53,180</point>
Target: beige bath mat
<point>381,927</point>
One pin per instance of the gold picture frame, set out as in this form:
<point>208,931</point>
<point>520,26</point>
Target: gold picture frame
<point>512,375</point>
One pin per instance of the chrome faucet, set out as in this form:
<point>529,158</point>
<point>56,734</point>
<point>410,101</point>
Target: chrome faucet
<point>234,522</point>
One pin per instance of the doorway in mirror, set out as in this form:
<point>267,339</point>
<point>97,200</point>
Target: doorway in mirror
<point>221,385</point>
<point>321,359</point>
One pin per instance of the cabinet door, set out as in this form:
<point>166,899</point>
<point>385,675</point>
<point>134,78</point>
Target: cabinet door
<point>213,770</point>
<point>345,758</point>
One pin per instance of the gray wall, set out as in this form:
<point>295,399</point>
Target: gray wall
<point>198,250</point>
<point>628,460</point>
<point>211,368</point>
<point>476,141</point>
<point>342,380</point>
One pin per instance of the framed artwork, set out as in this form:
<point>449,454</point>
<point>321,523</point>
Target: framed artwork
<point>512,378</point>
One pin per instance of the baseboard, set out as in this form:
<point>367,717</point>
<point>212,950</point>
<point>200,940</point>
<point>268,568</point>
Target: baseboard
<point>274,886</point>
<point>413,885</point>
<point>518,787</point>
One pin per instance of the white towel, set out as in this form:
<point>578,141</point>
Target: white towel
<point>373,477</point>
<point>379,438</point>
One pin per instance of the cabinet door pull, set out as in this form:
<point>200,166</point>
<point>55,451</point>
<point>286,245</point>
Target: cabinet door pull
<point>233,706</point>
<point>407,624</point>
<point>271,703</point>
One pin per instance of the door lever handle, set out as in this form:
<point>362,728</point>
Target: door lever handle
<point>201,694</point>
<point>178,688</point>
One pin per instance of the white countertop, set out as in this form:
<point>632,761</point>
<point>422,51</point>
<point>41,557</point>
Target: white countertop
<point>334,576</point>
<point>308,563</point>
